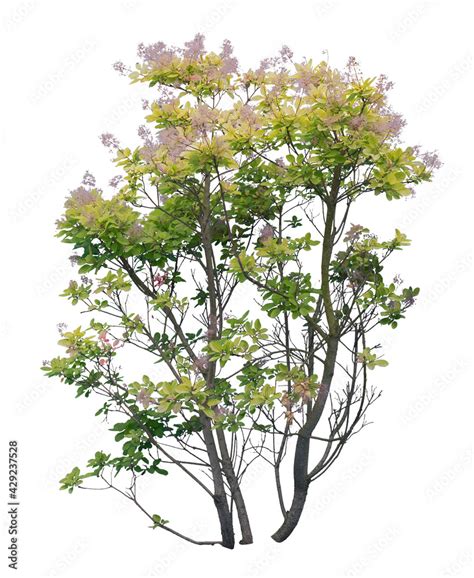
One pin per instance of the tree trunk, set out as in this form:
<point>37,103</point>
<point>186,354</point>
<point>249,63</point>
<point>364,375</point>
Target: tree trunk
<point>233,482</point>
<point>216,315</point>
<point>300,468</point>
<point>220,498</point>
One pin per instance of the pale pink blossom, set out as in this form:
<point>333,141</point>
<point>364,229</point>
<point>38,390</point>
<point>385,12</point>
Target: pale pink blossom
<point>158,54</point>
<point>230,64</point>
<point>266,233</point>
<point>114,181</point>
<point>120,68</point>
<point>144,398</point>
<point>88,179</point>
<point>80,197</point>
<point>160,279</point>
<point>103,337</point>
<point>109,140</point>
<point>194,48</point>
<point>431,160</point>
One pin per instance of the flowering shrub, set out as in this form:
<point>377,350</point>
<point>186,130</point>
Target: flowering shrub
<point>240,189</point>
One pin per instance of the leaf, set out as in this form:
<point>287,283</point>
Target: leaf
<point>158,521</point>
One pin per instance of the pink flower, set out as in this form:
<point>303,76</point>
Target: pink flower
<point>353,234</point>
<point>195,47</point>
<point>157,54</point>
<point>88,179</point>
<point>230,64</point>
<point>107,343</point>
<point>175,142</point>
<point>103,337</point>
<point>114,181</point>
<point>204,118</point>
<point>102,361</point>
<point>356,122</point>
<point>144,398</point>
<point>266,233</point>
<point>305,81</point>
<point>286,53</point>
<point>160,279</point>
<point>80,197</point>
<point>109,141</point>
<point>248,115</point>
<point>120,68</point>
<point>431,160</point>
<point>383,85</point>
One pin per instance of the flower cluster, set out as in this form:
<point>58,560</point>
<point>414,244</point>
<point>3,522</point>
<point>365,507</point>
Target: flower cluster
<point>279,61</point>
<point>230,64</point>
<point>203,119</point>
<point>80,197</point>
<point>109,140</point>
<point>266,233</point>
<point>157,54</point>
<point>150,146</point>
<point>248,115</point>
<point>194,48</point>
<point>354,233</point>
<point>108,343</point>
<point>120,68</point>
<point>88,180</point>
<point>431,160</point>
<point>61,328</point>
<point>174,140</point>
<point>114,181</point>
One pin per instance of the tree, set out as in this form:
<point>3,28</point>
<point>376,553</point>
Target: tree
<point>226,254</point>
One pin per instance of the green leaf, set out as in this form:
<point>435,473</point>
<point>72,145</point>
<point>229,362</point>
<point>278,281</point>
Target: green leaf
<point>158,521</point>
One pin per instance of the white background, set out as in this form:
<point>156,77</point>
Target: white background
<point>396,503</point>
